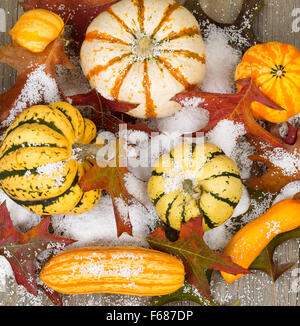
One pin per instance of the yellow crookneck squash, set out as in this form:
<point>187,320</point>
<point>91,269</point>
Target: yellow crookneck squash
<point>144,52</point>
<point>43,156</point>
<point>248,243</point>
<point>36,28</point>
<point>275,68</point>
<point>194,180</point>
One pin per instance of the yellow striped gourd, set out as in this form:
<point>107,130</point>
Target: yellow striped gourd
<point>40,161</point>
<point>194,180</point>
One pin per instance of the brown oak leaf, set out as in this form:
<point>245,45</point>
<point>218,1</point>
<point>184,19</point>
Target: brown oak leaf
<point>26,63</point>
<point>21,250</point>
<point>235,107</point>
<point>103,118</point>
<point>197,257</point>
<point>282,163</point>
<point>112,178</point>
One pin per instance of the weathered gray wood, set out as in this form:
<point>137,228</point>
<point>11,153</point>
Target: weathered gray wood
<point>273,24</point>
<point>7,74</point>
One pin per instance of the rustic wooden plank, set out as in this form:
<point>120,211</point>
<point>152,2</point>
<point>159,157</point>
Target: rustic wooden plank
<point>274,23</point>
<point>13,11</point>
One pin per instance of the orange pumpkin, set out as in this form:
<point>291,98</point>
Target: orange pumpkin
<point>36,28</point>
<point>275,68</point>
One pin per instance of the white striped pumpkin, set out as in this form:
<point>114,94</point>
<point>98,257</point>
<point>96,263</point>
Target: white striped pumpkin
<point>192,181</point>
<point>144,52</point>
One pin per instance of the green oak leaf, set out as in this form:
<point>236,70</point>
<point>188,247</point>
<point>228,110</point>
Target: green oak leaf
<point>197,257</point>
<point>265,263</point>
<point>186,293</point>
<point>260,202</point>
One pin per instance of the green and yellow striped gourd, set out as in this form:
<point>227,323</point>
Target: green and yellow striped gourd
<point>194,180</point>
<point>40,161</point>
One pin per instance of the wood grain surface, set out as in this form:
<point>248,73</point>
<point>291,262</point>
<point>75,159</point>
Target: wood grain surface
<point>276,22</point>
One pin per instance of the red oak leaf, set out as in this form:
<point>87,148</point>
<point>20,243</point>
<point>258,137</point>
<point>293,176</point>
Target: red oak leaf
<point>117,106</point>
<point>112,178</point>
<point>236,107</point>
<point>22,249</point>
<point>195,254</point>
<point>103,118</point>
<point>54,296</point>
<point>27,63</point>
<point>291,136</point>
<point>79,13</point>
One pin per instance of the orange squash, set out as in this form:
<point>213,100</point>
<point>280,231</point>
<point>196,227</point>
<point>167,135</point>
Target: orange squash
<point>36,29</point>
<point>275,68</point>
<point>251,240</point>
<point>124,270</point>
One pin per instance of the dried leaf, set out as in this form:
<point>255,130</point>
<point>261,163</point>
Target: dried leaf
<point>21,249</point>
<point>26,62</point>
<point>197,257</point>
<point>236,107</point>
<point>265,262</point>
<point>54,296</point>
<point>185,293</point>
<point>282,163</point>
<point>112,178</point>
<point>103,118</point>
<point>260,202</point>
<point>117,106</point>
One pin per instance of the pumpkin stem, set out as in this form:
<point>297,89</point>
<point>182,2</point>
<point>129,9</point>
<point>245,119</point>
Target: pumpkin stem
<point>191,190</point>
<point>83,151</point>
<point>143,48</point>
